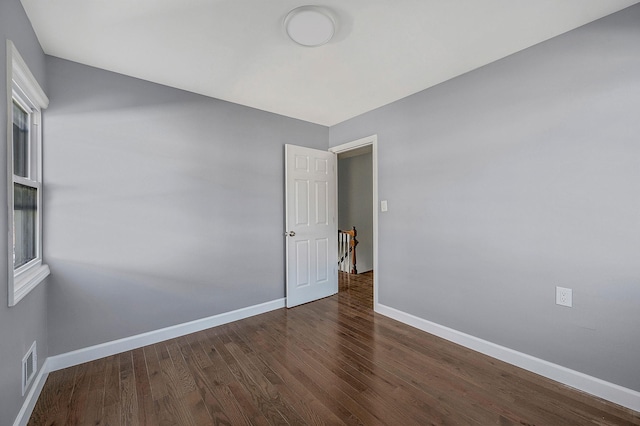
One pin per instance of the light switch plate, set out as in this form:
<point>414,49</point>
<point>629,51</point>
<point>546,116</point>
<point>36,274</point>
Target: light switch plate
<point>383,205</point>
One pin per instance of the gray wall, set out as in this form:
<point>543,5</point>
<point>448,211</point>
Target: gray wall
<point>512,179</point>
<point>24,323</point>
<point>163,206</point>
<point>355,204</point>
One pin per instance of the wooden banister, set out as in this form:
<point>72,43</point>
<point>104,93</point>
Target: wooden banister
<point>347,250</point>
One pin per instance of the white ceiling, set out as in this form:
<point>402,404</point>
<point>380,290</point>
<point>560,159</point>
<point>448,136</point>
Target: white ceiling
<point>238,50</point>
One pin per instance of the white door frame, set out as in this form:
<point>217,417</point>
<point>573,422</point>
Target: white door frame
<point>349,146</point>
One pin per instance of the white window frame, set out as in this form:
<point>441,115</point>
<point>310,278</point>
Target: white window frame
<point>25,90</point>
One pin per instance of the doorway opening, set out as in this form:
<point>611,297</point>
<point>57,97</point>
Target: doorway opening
<point>357,201</point>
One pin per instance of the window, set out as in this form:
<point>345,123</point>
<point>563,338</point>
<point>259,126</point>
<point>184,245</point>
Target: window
<point>24,192</point>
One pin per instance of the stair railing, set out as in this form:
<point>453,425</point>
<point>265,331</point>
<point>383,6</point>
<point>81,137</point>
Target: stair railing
<point>347,243</point>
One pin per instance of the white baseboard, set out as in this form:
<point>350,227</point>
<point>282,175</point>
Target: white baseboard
<point>102,350</point>
<point>32,395</point>
<point>589,384</point>
<point>592,385</point>
<point>91,353</point>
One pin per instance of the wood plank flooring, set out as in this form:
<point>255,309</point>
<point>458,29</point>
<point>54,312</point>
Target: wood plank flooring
<point>333,362</point>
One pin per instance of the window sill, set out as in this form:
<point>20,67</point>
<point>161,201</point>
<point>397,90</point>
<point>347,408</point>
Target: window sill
<point>27,281</point>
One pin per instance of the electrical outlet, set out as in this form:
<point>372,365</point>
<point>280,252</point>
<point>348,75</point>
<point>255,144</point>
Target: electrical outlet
<point>564,296</point>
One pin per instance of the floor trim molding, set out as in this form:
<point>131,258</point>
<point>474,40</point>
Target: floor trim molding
<point>91,353</point>
<point>589,384</point>
<point>32,396</point>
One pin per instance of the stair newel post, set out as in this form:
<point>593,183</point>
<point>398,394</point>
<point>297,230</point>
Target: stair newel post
<point>354,243</point>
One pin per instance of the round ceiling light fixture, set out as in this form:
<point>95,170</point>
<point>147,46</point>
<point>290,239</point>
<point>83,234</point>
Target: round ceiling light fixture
<point>310,26</point>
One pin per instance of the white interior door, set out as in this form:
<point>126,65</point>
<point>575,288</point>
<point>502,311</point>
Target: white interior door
<point>311,226</point>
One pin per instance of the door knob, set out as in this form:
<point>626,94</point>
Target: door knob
<point>290,234</point>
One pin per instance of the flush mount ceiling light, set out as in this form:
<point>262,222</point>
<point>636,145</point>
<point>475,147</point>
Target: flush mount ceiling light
<point>310,26</point>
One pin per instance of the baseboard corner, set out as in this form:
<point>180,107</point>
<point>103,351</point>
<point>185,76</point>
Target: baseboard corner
<point>32,396</point>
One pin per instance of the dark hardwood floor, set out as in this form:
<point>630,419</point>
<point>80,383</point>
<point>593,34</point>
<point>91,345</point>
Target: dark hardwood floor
<point>333,361</point>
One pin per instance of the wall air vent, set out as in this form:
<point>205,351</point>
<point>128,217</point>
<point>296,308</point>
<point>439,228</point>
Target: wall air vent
<point>29,367</point>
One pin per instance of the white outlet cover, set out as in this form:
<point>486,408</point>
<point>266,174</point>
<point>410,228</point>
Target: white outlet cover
<point>564,296</point>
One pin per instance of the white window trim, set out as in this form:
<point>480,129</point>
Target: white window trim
<point>21,81</point>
